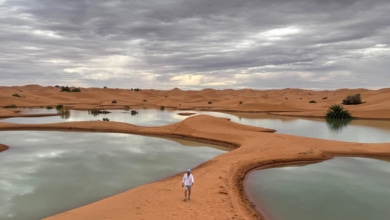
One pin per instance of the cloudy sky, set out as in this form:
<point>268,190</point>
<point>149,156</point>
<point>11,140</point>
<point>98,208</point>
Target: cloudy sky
<point>196,44</point>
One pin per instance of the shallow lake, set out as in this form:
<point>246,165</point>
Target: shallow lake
<point>338,189</point>
<point>369,131</point>
<point>364,131</point>
<point>47,172</point>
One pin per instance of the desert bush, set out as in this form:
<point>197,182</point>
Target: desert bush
<point>76,90</point>
<point>11,106</point>
<point>338,112</point>
<point>312,101</point>
<point>162,108</point>
<point>16,95</point>
<point>210,102</point>
<point>65,89</point>
<point>59,106</point>
<point>68,89</point>
<point>133,112</point>
<point>49,107</point>
<point>324,98</point>
<point>106,119</point>
<point>352,100</point>
<point>241,102</point>
<point>64,112</point>
<point>96,111</point>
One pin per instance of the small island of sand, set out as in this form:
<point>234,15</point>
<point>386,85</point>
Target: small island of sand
<point>219,192</point>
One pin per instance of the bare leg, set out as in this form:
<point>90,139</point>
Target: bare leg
<point>185,194</point>
<point>189,194</point>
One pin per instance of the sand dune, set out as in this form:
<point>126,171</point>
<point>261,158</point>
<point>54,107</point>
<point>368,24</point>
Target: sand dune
<point>218,192</point>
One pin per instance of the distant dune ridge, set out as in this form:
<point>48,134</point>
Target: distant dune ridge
<point>283,101</point>
<point>218,192</point>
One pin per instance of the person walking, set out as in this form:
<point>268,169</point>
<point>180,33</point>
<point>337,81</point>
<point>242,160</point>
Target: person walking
<point>187,183</point>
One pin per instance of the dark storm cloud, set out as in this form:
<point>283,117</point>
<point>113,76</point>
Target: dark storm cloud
<point>195,44</point>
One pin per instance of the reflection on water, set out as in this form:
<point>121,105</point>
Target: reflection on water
<point>364,131</point>
<point>337,189</point>
<point>145,117</point>
<point>45,158</point>
<point>337,124</point>
<point>44,173</point>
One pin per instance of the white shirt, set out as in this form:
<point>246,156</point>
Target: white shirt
<point>188,179</point>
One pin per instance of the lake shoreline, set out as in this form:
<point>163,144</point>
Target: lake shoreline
<point>219,191</point>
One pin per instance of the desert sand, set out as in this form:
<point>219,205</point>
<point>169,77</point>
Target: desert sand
<point>218,192</point>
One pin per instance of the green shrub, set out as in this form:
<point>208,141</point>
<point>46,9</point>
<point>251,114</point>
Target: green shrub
<point>59,106</point>
<point>337,112</point>
<point>312,101</point>
<point>133,112</point>
<point>96,111</point>
<point>65,89</point>
<point>76,90</point>
<point>64,112</point>
<point>16,95</point>
<point>352,100</point>
<point>11,106</point>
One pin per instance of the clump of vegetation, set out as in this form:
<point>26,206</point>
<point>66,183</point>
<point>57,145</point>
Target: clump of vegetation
<point>96,111</point>
<point>11,106</point>
<point>352,100</point>
<point>64,112</point>
<point>162,108</point>
<point>324,98</point>
<point>133,112</point>
<point>106,119</point>
<point>210,102</point>
<point>59,106</point>
<point>137,89</point>
<point>337,112</point>
<point>127,108</point>
<point>312,101</point>
<point>49,107</point>
<point>241,102</point>
<point>145,100</point>
<point>76,90</point>
<point>68,89</point>
<point>65,89</point>
<point>16,95</point>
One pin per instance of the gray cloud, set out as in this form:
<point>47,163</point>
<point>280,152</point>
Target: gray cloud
<point>195,44</point>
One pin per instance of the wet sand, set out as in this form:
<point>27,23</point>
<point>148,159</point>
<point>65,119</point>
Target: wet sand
<point>218,192</point>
